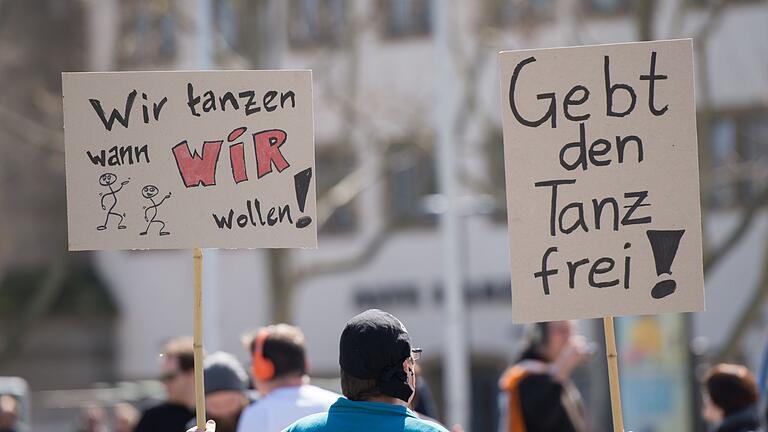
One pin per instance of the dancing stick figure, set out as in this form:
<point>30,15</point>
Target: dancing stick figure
<point>107,180</point>
<point>150,192</point>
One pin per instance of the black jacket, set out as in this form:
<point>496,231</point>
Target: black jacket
<point>542,408</point>
<point>746,420</point>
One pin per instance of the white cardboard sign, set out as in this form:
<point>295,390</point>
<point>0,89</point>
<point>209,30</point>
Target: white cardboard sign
<point>171,160</point>
<point>602,180</point>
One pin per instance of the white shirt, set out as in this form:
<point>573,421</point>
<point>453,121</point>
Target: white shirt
<point>283,406</point>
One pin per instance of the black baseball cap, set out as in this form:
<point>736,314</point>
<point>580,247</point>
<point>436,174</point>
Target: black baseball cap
<point>373,345</point>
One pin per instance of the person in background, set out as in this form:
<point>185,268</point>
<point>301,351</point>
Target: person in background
<point>93,418</point>
<point>9,413</point>
<point>126,417</point>
<point>377,377</point>
<point>279,367</point>
<point>537,392</point>
<point>730,399</point>
<point>226,390</point>
<point>423,402</point>
<point>178,375</point>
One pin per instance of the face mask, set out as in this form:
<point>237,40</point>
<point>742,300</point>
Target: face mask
<point>394,382</point>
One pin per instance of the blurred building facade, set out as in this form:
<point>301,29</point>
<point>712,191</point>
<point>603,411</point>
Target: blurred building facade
<point>373,65</point>
<point>373,69</point>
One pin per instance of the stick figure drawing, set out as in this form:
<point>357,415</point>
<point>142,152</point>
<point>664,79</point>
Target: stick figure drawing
<point>150,212</point>
<point>110,199</point>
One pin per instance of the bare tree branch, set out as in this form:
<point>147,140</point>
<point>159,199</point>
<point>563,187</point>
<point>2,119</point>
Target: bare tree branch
<point>44,297</point>
<point>358,258</point>
<point>715,14</point>
<point>712,258</point>
<point>343,193</point>
<point>32,131</point>
<point>750,313</point>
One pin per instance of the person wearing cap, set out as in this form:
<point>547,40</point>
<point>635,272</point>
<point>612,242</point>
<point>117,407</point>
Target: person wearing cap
<point>226,390</point>
<point>279,369</point>
<point>377,378</point>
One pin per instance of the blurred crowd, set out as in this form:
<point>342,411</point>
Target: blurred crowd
<point>381,387</point>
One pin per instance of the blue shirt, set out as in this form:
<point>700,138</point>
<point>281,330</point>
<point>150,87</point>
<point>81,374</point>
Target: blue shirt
<point>355,416</point>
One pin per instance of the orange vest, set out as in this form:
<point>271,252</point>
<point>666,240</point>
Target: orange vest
<point>509,382</point>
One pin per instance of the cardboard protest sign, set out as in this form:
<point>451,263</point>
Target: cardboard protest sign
<point>165,160</point>
<point>602,180</point>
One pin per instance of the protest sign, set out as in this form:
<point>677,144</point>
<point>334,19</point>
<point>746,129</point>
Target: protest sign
<point>602,180</point>
<point>171,160</point>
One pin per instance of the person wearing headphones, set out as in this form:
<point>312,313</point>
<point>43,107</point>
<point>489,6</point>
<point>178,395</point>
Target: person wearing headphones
<point>537,392</point>
<point>279,368</point>
<point>378,379</point>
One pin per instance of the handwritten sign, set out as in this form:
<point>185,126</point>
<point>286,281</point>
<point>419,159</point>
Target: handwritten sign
<point>602,180</point>
<point>166,160</point>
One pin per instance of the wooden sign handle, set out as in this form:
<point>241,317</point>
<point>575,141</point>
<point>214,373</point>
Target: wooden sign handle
<point>613,374</point>
<point>197,255</point>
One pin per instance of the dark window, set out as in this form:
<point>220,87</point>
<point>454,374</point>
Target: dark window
<point>315,22</point>
<point>713,3</point>
<point>407,17</point>
<point>511,12</point>
<point>608,7</point>
<point>494,152</point>
<point>739,157</point>
<point>333,165</point>
<point>148,33</point>
<point>724,156</point>
<point>411,178</point>
<point>225,18</point>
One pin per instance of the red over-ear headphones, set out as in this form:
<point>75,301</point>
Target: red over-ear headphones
<point>263,369</point>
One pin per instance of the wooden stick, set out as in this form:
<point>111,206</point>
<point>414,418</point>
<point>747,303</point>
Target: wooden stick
<point>613,374</point>
<point>197,255</point>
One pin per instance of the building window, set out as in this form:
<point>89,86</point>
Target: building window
<point>411,178</point>
<point>724,156</point>
<point>148,33</point>
<point>494,155</point>
<point>334,164</point>
<point>511,12</point>
<point>608,7</point>
<point>407,17</point>
<point>225,18</point>
<point>739,157</point>
<point>316,22</point>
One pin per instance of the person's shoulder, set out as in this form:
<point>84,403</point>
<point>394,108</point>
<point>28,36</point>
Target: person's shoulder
<point>319,394</point>
<point>421,425</point>
<point>311,423</point>
<point>253,406</point>
<point>252,415</point>
<point>159,410</point>
<point>163,414</point>
<point>537,379</point>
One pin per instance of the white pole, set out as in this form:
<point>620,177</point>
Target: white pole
<point>456,364</point>
<point>203,32</point>
<point>211,323</point>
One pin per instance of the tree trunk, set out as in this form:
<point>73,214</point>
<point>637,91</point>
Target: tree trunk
<point>281,287</point>
<point>644,11</point>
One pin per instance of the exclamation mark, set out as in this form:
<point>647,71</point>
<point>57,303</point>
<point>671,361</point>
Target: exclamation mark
<point>301,181</point>
<point>664,246</point>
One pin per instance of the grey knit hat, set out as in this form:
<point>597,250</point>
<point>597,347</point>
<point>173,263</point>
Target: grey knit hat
<point>223,372</point>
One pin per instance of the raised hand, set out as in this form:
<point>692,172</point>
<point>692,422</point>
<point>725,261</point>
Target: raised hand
<point>210,426</point>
